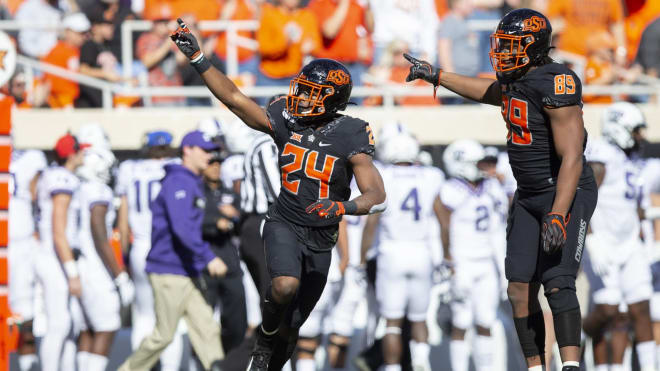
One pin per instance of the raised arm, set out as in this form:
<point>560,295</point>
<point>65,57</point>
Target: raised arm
<point>222,87</point>
<point>478,89</point>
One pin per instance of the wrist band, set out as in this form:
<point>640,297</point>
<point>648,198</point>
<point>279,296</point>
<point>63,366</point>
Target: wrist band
<point>200,63</point>
<point>71,269</point>
<point>350,207</point>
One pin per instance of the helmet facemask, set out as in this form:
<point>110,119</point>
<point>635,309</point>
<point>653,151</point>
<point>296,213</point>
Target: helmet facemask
<point>306,98</point>
<point>508,54</point>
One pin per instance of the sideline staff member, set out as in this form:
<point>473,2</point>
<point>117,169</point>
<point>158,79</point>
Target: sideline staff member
<point>176,259</point>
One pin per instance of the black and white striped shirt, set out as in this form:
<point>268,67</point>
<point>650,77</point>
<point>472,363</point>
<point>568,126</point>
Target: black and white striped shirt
<point>262,176</point>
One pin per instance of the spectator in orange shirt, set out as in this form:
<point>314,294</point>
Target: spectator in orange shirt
<point>248,62</point>
<point>584,17</point>
<point>287,35</point>
<point>600,69</point>
<point>66,54</point>
<point>156,52</point>
<point>345,27</point>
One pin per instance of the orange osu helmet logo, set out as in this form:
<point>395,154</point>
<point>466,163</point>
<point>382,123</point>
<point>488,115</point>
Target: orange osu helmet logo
<point>534,24</point>
<point>338,77</point>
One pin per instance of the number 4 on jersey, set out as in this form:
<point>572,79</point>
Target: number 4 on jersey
<point>411,203</point>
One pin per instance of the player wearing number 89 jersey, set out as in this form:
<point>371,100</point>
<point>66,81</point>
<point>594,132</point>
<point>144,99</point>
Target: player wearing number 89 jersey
<point>541,103</point>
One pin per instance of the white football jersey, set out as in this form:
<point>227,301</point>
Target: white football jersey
<point>53,181</point>
<point>616,218</point>
<point>410,191</point>
<point>91,194</point>
<point>24,166</point>
<point>139,181</point>
<point>475,219</point>
<point>504,170</point>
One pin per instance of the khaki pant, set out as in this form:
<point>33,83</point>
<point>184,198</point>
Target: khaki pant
<point>176,296</point>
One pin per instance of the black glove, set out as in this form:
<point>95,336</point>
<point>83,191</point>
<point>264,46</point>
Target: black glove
<point>422,70</point>
<point>553,234</point>
<point>330,209</point>
<point>186,41</point>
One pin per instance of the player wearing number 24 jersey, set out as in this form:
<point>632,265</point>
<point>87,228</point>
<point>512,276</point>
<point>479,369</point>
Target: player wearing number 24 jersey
<point>541,104</point>
<point>319,151</point>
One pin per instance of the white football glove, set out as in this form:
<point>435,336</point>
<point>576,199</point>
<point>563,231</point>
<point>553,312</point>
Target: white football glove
<point>598,254</point>
<point>126,288</point>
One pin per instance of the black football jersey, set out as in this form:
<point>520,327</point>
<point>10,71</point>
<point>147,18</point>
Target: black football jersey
<point>314,163</point>
<point>530,145</point>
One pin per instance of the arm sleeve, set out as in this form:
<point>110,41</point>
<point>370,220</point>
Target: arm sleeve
<point>180,209</point>
<point>361,140</point>
<point>61,182</point>
<point>279,130</point>
<point>450,197</point>
<point>209,224</point>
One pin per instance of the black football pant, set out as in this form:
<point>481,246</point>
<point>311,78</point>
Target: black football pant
<point>252,252</point>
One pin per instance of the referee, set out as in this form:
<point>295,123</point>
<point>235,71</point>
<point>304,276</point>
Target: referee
<point>259,190</point>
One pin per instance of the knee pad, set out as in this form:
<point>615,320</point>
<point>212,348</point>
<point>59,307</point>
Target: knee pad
<point>567,327</point>
<point>560,292</point>
<point>531,334</point>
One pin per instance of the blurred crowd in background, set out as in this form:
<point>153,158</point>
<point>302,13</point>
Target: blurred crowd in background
<point>605,41</point>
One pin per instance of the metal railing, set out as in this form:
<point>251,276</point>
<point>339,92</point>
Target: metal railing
<point>388,91</point>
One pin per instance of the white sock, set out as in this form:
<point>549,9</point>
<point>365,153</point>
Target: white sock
<point>392,368</point>
<point>483,353</point>
<point>603,367</point>
<point>97,362</point>
<point>419,352</point>
<point>82,360</point>
<point>571,364</point>
<point>536,368</point>
<point>27,361</point>
<point>458,353</point>
<point>646,355</point>
<point>617,367</point>
<point>305,364</point>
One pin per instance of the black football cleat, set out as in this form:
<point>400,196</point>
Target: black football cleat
<point>263,350</point>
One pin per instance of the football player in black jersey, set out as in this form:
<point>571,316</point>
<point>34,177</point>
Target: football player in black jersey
<point>320,151</point>
<point>541,103</point>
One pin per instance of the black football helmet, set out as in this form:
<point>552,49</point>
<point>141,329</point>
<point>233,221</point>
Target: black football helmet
<point>522,40</point>
<point>322,88</point>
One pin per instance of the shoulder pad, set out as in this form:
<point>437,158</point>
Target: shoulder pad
<point>557,85</point>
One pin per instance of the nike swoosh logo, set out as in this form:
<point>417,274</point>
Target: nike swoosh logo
<point>321,144</point>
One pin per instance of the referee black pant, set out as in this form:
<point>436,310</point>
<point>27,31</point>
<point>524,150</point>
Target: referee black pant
<point>252,251</point>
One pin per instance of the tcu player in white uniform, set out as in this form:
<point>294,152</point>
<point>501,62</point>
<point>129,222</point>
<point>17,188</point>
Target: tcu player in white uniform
<point>616,264</point>
<point>138,183</point>
<point>103,281</point>
<point>469,228</point>
<point>404,262</point>
<point>25,169</point>
<point>57,270</point>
